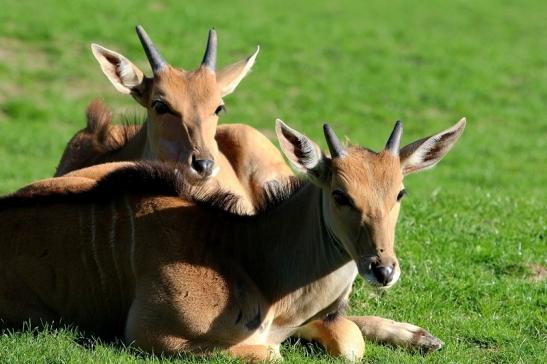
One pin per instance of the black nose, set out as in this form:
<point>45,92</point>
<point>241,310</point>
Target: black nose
<point>383,274</point>
<point>203,166</point>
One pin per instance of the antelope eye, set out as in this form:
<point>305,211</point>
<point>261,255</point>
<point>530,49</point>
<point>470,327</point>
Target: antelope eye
<point>160,107</point>
<point>341,198</point>
<point>219,109</point>
<point>401,194</point>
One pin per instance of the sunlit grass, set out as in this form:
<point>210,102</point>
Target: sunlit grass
<point>469,230</point>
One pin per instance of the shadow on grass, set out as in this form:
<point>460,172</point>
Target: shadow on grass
<point>92,344</point>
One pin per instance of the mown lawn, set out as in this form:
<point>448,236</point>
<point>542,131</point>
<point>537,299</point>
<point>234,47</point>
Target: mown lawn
<point>471,238</point>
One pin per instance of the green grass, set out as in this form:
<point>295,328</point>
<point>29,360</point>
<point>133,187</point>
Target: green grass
<point>469,230</point>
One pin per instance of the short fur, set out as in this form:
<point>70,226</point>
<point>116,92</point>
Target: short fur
<point>184,128</point>
<point>99,142</point>
<point>142,254</point>
<point>152,178</point>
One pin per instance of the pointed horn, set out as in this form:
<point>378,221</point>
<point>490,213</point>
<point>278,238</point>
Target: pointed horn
<point>335,147</point>
<point>210,56</point>
<point>394,140</point>
<point>156,61</point>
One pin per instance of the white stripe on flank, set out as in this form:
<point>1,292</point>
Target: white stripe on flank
<point>114,214</point>
<point>83,253</point>
<point>132,236</point>
<point>93,239</point>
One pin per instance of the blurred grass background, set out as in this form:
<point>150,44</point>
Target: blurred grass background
<point>471,238</point>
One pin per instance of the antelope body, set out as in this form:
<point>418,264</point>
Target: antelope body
<point>181,126</point>
<point>145,255</point>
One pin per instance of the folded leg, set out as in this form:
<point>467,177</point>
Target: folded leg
<point>256,353</point>
<point>391,332</point>
<point>339,337</point>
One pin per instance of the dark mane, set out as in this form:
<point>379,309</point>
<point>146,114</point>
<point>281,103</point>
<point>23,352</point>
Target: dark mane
<point>275,193</point>
<point>132,124</point>
<point>99,123</point>
<point>149,178</point>
<point>100,141</point>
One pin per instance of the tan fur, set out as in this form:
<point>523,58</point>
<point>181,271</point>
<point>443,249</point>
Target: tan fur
<point>378,198</point>
<point>246,161</point>
<point>59,184</point>
<point>403,334</point>
<point>340,337</point>
<point>98,171</point>
<point>253,157</point>
<point>174,274</point>
<point>100,141</point>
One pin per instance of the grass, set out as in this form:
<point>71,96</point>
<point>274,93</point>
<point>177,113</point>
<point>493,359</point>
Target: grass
<point>470,230</point>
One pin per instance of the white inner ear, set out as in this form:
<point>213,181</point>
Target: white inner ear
<point>303,154</point>
<point>123,74</point>
<point>425,154</point>
<point>418,158</point>
<point>231,76</point>
<point>128,76</point>
<point>310,154</point>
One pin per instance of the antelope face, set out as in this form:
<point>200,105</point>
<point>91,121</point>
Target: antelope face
<point>183,106</point>
<point>362,201</point>
<point>362,191</point>
<point>183,110</point>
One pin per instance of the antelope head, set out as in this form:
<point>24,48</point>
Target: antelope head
<point>183,106</point>
<point>362,190</point>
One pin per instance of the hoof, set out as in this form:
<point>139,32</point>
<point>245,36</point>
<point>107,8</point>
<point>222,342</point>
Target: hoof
<point>426,343</point>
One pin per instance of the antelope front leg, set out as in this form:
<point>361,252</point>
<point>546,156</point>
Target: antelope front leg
<point>340,337</point>
<point>391,332</point>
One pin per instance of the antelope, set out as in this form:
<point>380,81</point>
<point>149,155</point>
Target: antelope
<point>183,109</point>
<point>145,255</point>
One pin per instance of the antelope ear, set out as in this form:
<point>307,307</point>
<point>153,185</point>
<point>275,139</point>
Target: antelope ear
<point>124,75</point>
<point>301,151</point>
<point>426,152</point>
<point>230,76</point>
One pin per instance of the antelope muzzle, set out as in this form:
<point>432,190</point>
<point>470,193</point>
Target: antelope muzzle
<point>381,273</point>
<point>203,166</point>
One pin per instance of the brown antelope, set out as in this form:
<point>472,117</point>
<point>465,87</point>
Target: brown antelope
<point>143,254</point>
<point>183,109</point>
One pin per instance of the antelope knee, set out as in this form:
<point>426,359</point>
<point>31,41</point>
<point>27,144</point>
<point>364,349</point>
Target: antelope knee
<point>340,337</point>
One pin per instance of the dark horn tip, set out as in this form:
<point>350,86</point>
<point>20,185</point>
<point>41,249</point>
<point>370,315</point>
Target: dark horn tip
<point>152,53</point>
<point>336,148</point>
<point>140,30</point>
<point>399,128</point>
<point>394,140</point>
<point>327,130</point>
<point>210,56</point>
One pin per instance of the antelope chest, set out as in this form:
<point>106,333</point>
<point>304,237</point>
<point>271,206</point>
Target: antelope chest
<point>309,303</point>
